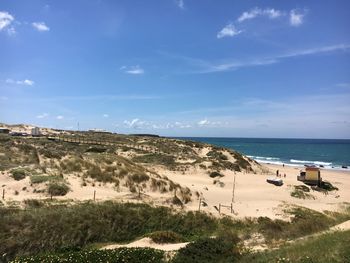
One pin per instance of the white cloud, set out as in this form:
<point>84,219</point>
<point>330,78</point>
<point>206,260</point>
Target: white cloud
<point>135,123</point>
<point>268,12</point>
<point>228,31</point>
<point>42,116</point>
<point>203,122</point>
<point>180,3</point>
<point>213,124</point>
<point>40,26</point>
<point>296,17</point>
<point>343,85</point>
<point>105,115</point>
<point>139,124</point>
<point>26,82</point>
<point>6,21</point>
<point>204,66</point>
<point>134,70</point>
<point>59,117</point>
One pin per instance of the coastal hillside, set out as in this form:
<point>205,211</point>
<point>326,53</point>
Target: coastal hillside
<point>95,196</point>
<point>102,166</point>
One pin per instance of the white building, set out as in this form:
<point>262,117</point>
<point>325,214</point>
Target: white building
<point>36,131</point>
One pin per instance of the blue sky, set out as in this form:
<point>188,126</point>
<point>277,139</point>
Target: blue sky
<point>178,68</point>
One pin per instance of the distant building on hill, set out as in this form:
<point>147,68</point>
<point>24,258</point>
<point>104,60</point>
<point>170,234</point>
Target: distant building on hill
<point>99,131</point>
<point>4,130</point>
<point>36,131</point>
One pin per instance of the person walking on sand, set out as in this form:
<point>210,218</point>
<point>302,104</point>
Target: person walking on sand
<point>277,173</point>
<point>285,175</point>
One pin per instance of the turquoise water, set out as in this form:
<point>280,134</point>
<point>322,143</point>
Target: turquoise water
<point>324,152</point>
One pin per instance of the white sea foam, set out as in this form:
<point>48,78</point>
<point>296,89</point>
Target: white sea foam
<point>310,162</point>
<point>263,158</point>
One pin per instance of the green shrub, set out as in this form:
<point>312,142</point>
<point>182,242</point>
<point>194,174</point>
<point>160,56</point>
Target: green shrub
<point>18,174</point>
<point>129,255</point>
<point>302,192</point>
<point>57,189</point>
<point>96,149</point>
<point>33,203</point>
<point>37,179</point>
<point>176,201</point>
<point>138,178</point>
<point>161,237</point>
<point>208,250</point>
<point>215,174</point>
<point>156,158</point>
<point>326,248</point>
<point>51,228</point>
<point>328,186</point>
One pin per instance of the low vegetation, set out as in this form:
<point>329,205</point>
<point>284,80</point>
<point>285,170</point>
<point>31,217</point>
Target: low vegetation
<point>57,189</point>
<point>162,237</point>
<point>205,250</point>
<point>331,247</point>
<point>301,192</point>
<point>130,255</point>
<point>53,228</point>
<point>18,174</point>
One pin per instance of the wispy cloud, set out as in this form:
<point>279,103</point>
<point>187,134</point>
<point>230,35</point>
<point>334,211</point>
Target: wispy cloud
<point>296,17</point>
<point>317,50</point>
<point>200,66</point>
<point>105,97</point>
<point>134,70</point>
<point>180,3</point>
<point>40,26</point>
<point>149,125</point>
<point>268,12</point>
<point>26,82</point>
<point>59,117</point>
<point>105,115</point>
<point>343,85</point>
<point>6,20</point>
<point>228,31</point>
<point>42,116</point>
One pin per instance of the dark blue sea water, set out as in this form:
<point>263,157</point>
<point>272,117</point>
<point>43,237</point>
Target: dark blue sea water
<point>326,152</point>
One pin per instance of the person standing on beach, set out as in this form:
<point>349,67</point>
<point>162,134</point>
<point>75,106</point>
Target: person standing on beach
<point>277,173</point>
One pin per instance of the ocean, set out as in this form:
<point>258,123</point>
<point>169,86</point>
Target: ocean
<point>329,153</point>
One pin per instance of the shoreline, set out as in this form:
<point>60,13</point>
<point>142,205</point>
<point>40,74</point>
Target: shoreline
<point>267,163</point>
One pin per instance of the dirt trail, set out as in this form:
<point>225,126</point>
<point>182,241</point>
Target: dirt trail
<point>147,242</point>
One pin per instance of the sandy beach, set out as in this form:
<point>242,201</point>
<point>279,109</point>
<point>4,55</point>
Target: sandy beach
<point>253,196</point>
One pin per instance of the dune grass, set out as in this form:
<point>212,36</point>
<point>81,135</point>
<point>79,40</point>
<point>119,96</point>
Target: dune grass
<point>331,247</point>
<point>41,229</point>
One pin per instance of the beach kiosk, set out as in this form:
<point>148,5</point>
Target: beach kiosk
<point>311,175</point>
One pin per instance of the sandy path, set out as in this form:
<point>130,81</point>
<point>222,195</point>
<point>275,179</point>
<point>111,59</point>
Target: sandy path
<point>147,242</point>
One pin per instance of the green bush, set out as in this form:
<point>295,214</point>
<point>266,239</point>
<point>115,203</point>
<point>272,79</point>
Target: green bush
<point>215,174</point>
<point>138,178</point>
<point>302,192</point>
<point>33,203</point>
<point>161,237</point>
<point>18,174</point>
<point>129,255</point>
<point>50,228</point>
<point>208,250</point>
<point>57,189</point>
<point>37,179</point>
<point>328,186</point>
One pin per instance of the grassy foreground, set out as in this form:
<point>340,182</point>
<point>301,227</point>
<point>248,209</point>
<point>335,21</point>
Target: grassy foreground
<point>332,247</point>
<point>59,228</point>
<point>327,248</point>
